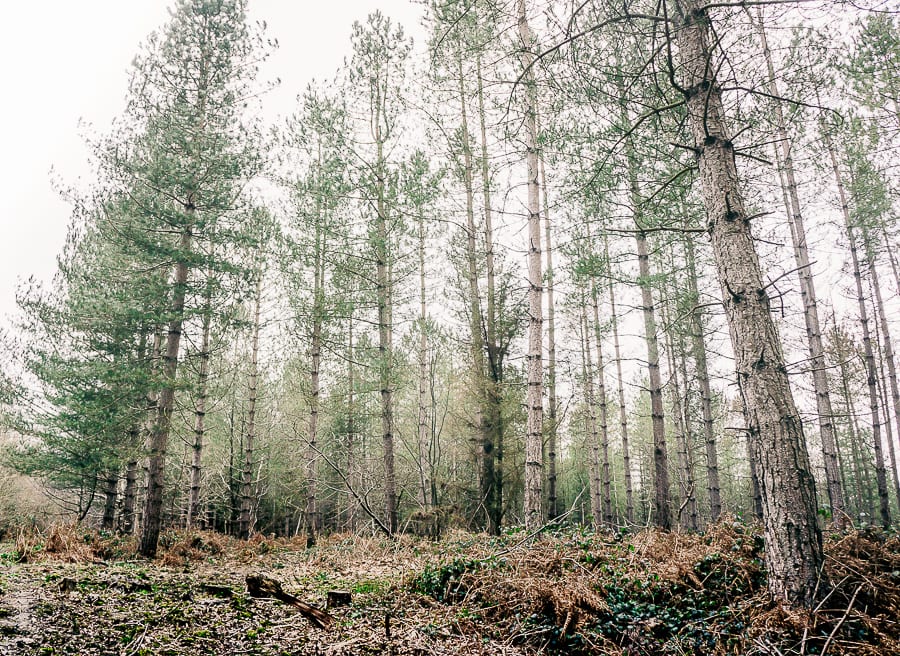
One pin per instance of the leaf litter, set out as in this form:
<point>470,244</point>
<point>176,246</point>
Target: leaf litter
<point>568,591</point>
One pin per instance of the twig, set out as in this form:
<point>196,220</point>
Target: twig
<point>841,621</point>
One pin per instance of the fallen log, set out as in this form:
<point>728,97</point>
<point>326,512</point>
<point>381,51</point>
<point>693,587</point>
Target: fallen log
<point>261,586</point>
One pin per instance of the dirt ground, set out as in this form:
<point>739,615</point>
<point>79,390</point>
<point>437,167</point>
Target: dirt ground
<point>570,592</point>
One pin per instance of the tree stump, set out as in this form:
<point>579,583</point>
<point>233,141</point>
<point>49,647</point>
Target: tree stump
<point>338,598</point>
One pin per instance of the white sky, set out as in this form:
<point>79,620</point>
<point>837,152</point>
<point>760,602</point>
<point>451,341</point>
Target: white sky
<point>62,61</point>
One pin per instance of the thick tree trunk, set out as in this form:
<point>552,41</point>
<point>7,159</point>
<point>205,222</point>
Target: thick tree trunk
<point>794,554</point>
<point>159,434</point>
<point>110,495</point>
<point>620,383</point>
<point>126,519</point>
<point>534,401</point>
<point>698,350</point>
<point>248,492</point>
<point>871,376</point>
<point>785,160</point>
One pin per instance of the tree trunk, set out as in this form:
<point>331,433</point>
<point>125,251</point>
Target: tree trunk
<point>384,296</point>
<point>593,440</point>
<point>887,355</point>
<point>688,517</point>
<point>552,428</point>
<point>159,434</point>
<point>494,393</point>
<point>422,433</point>
<point>785,160</point>
<point>660,453</point>
<point>623,414</point>
<point>110,494</point>
<point>126,519</point>
<point>865,504</point>
<point>698,350</point>
<point>871,376</point>
<point>605,483</point>
<point>534,402</point>
<point>313,519</point>
<point>794,554</point>
<point>487,488</point>
<point>248,494</point>
<point>193,508</point>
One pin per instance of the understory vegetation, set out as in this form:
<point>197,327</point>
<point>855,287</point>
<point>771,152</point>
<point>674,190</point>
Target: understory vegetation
<point>565,591</point>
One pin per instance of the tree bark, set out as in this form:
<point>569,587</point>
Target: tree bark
<point>110,494</point>
<point>698,350</point>
<point>193,508</point>
<point>785,160</point>
<point>889,381</point>
<point>534,402</point>
<point>620,383</point>
<point>871,376</point>
<point>605,477</point>
<point>248,493</point>
<point>159,434</point>
<point>660,449</point>
<point>593,439</point>
<point>794,554</point>
<point>494,393</point>
<point>552,427</point>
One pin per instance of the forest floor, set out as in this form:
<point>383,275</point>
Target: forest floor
<point>569,591</point>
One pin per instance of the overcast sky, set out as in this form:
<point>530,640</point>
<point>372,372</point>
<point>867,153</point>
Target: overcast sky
<point>62,61</point>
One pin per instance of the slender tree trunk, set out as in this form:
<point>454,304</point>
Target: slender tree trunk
<point>620,383</point>
<point>605,477</point>
<point>495,353</point>
<point>794,554</point>
<point>313,518</point>
<point>698,350</point>
<point>534,430</point>
<point>248,494</point>
<point>657,415</point>
<point>422,434</point>
<point>487,486</point>
<point>193,509</point>
<point>865,504</point>
<point>785,160</point>
<point>887,356</point>
<point>593,439</point>
<point>660,452</point>
<point>871,376</point>
<point>384,295</point>
<point>351,426</point>
<point>552,428</point>
<point>688,517</point>
<point>159,434</point>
